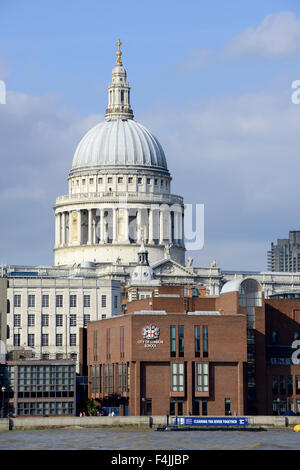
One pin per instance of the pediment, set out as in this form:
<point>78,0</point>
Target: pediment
<point>169,267</point>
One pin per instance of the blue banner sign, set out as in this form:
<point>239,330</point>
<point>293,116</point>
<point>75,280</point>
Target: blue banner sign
<point>201,421</point>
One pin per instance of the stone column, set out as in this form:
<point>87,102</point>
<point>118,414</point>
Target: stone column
<point>89,240</point>
<point>170,226</point>
<point>161,227</point>
<point>126,225</point>
<point>63,229</point>
<point>138,226</point>
<point>79,228</point>
<point>70,228</point>
<point>101,226</point>
<point>57,230</point>
<point>115,215</point>
<point>150,227</point>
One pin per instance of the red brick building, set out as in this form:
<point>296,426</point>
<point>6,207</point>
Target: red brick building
<point>179,354</point>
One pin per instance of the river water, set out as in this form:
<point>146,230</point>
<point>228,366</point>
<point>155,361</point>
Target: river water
<point>112,439</point>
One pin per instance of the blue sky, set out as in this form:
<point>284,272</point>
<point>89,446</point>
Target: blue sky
<point>212,80</point>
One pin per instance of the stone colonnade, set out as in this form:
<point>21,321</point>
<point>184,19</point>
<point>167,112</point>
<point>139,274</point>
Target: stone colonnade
<point>156,225</point>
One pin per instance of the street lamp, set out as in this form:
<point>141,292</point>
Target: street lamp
<point>3,389</point>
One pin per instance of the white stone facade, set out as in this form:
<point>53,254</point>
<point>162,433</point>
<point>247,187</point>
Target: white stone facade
<point>45,313</point>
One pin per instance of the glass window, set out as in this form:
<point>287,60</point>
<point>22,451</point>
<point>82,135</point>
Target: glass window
<point>72,320</point>
<point>177,377</point>
<point>31,300</point>
<point>103,301</point>
<point>86,319</point>
<point>59,320</point>
<point>59,337</point>
<point>17,320</point>
<point>45,320</point>
<point>59,300</point>
<point>31,340</point>
<point>73,300</point>
<point>197,341</point>
<point>17,339</point>
<point>45,339</point>
<point>181,340</point>
<point>86,300</point>
<point>17,300</point>
<point>31,320</point>
<point>205,341</point>
<point>201,377</point>
<point>73,339</point>
<point>275,385</point>
<point>173,341</point>
<point>45,300</point>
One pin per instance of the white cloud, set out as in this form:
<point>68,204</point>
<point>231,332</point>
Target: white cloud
<point>38,140</point>
<point>240,157</point>
<point>277,36</point>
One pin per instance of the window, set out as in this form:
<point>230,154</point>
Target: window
<point>86,319</point>
<point>197,341</point>
<point>109,379</point>
<point>30,320</point>
<point>45,300</point>
<point>100,180</point>
<point>72,320</point>
<point>72,339</point>
<point>91,181</point>
<point>17,320</point>
<point>59,301</point>
<point>181,340</point>
<point>86,300</point>
<point>59,338</point>
<point>45,320</point>
<point>130,179</point>
<point>122,378</point>
<point>17,339</point>
<point>155,181</point>
<point>297,384</point>
<point>282,385</point>
<point>148,180</point>
<point>173,341</point>
<point>275,385</point>
<point>109,179</point>
<point>17,300</point>
<point>140,180</point>
<point>103,301</point>
<point>296,335</point>
<point>201,377</point>
<point>290,384</point>
<point>115,301</point>
<point>95,345</point>
<point>274,337</point>
<point>31,340</point>
<point>31,300</point>
<point>59,320</point>
<point>120,179</point>
<point>177,377</point>
<point>73,300</point>
<point>45,339</point>
<point>205,341</point>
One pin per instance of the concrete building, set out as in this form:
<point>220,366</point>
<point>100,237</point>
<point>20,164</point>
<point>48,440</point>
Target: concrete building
<point>38,388</point>
<point>285,256</point>
<point>209,356</point>
<point>47,312</point>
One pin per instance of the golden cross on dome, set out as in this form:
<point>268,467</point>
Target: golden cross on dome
<point>119,53</point>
